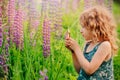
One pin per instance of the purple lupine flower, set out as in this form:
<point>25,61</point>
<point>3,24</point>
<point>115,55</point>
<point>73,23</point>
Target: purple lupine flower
<point>11,15</point>
<point>18,29</point>
<point>106,3</point>
<point>33,20</point>
<point>6,49</point>
<point>46,37</point>
<point>109,5</point>
<point>3,58</point>
<point>7,40</point>
<point>75,4</point>
<point>21,3</point>
<point>88,4</point>
<point>34,28</point>
<point>36,23</point>
<point>3,64</point>
<point>1,36</point>
<point>3,29</point>
<point>55,15</point>
<point>100,2</point>
<point>44,6</point>
<point>46,78</point>
<point>22,6</point>
<point>2,61</point>
<point>65,5</point>
<point>43,74</point>
<point>32,8</point>
<point>11,11</point>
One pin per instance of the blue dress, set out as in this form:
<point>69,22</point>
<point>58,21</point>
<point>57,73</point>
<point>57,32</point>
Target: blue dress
<point>104,72</point>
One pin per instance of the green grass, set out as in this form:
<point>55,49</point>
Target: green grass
<point>26,64</point>
<point>116,11</point>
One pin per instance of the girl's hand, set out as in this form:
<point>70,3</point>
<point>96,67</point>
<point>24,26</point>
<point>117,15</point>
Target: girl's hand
<point>72,44</point>
<point>67,36</point>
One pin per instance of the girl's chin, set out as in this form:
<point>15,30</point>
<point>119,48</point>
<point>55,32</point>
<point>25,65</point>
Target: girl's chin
<point>88,40</point>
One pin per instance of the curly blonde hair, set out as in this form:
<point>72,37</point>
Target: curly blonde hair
<point>101,24</point>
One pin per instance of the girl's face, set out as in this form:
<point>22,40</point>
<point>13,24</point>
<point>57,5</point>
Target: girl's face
<point>86,33</point>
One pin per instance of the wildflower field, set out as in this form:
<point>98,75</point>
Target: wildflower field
<point>32,34</point>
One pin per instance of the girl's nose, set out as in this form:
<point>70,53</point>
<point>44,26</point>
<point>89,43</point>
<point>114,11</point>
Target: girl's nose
<point>81,31</point>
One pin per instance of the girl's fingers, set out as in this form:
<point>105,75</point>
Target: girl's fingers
<point>71,39</point>
<point>67,43</point>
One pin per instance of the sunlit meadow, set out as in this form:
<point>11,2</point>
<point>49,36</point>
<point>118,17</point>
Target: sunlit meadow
<point>32,34</point>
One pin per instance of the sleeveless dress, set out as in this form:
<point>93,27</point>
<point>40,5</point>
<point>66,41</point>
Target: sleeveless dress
<point>104,72</point>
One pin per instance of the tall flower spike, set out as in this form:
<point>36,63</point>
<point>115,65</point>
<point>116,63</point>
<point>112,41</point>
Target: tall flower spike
<point>88,4</point>
<point>33,20</point>
<point>21,3</point>
<point>46,38</point>
<point>75,4</point>
<point>3,65</point>
<point>11,11</point>
<point>44,7</point>
<point>3,18</point>
<point>100,2</point>
<point>66,5</point>
<point>109,5</point>
<point>11,15</point>
<point>43,74</point>
<point>18,29</point>
<point>1,36</point>
<point>55,15</point>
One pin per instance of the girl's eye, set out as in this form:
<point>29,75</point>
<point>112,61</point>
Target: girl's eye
<point>83,27</point>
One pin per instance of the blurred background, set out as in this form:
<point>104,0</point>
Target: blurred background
<point>32,36</point>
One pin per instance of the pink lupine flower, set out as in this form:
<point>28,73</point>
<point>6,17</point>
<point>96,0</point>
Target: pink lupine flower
<point>75,4</point>
<point>88,4</point>
<point>11,11</point>
<point>18,29</point>
<point>1,35</point>
<point>100,2</point>
<point>33,19</point>
<point>21,3</point>
<point>109,5</point>
<point>43,74</point>
<point>65,5</point>
<point>46,37</point>
<point>55,15</point>
<point>44,6</point>
<point>3,65</point>
<point>11,15</point>
<point>32,8</point>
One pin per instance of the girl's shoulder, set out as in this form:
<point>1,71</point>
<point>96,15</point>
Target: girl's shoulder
<point>105,44</point>
<point>100,46</point>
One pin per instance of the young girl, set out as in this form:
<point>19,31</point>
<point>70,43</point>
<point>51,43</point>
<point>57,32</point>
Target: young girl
<point>98,30</point>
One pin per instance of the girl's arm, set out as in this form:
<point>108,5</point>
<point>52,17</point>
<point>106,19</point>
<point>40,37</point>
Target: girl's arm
<point>75,60</point>
<point>90,67</point>
<point>76,63</point>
